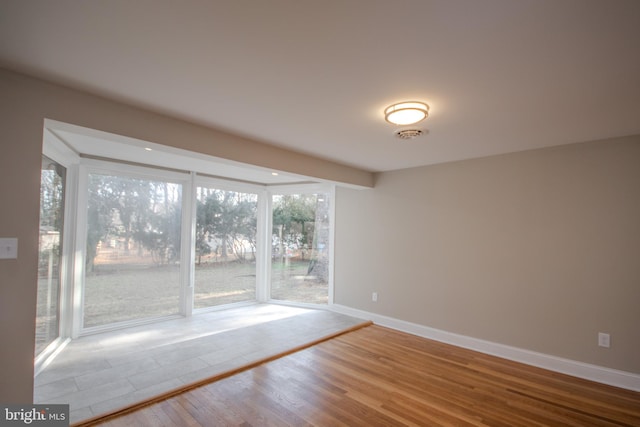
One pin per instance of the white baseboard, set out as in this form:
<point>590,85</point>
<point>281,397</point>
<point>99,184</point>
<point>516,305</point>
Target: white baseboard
<point>587,371</point>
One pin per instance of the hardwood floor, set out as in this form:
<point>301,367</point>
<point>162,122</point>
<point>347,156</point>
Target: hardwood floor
<point>379,377</point>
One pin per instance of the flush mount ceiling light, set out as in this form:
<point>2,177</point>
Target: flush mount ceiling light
<point>406,113</point>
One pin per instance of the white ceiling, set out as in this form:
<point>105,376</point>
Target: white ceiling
<point>314,76</point>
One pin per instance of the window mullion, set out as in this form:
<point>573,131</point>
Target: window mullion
<point>264,247</point>
<point>188,256</point>
<point>80,254</point>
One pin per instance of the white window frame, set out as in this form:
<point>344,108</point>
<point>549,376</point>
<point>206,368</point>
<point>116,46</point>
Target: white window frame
<point>75,229</point>
<point>94,166</point>
<point>59,152</point>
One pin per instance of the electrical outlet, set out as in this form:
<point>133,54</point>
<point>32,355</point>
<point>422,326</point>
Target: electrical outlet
<point>604,340</point>
<point>374,297</point>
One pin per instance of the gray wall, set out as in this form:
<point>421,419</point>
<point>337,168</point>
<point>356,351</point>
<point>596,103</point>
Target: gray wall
<point>539,250</point>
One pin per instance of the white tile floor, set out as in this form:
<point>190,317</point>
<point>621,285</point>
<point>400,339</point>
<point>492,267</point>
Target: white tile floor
<point>100,373</point>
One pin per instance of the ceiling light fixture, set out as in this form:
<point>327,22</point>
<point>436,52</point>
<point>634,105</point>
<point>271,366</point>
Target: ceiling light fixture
<point>406,113</point>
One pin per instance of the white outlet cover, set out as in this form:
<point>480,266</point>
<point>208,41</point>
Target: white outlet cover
<point>604,340</point>
<point>8,248</point>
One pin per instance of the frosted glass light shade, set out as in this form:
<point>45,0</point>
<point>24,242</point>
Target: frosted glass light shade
<point>406,113</point>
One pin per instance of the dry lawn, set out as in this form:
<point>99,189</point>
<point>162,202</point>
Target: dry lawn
<point>126,290</point>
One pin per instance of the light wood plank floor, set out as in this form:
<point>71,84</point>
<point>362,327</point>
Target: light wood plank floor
<point>376,377</point>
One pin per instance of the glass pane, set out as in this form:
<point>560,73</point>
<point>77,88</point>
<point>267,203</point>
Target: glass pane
<point>52,182</point>
<point>133,249</point>
<point>300,248</point>
<point>225,270</point>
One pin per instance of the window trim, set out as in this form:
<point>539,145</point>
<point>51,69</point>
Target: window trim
<point>78,169</point>
<point>56,150</point>
<point>94,166</point>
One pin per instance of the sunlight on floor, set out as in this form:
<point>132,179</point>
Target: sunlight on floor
<point>101,373</point>
<point>233,319</point>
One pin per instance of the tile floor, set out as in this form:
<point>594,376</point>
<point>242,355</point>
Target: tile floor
<point>100,373</point>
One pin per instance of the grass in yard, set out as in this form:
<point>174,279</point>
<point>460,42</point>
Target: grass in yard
<point>290,282</point>
<point>219,283</point>
<point>117,292</point>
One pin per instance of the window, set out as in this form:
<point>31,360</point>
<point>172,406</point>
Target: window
<point>225,247</point>
<point>133,248</point>
<point>301,243</point>
<point>52,198</point>
<point>146,242</point>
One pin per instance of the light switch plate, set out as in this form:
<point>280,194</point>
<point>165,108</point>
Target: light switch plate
<point>8,248</point>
